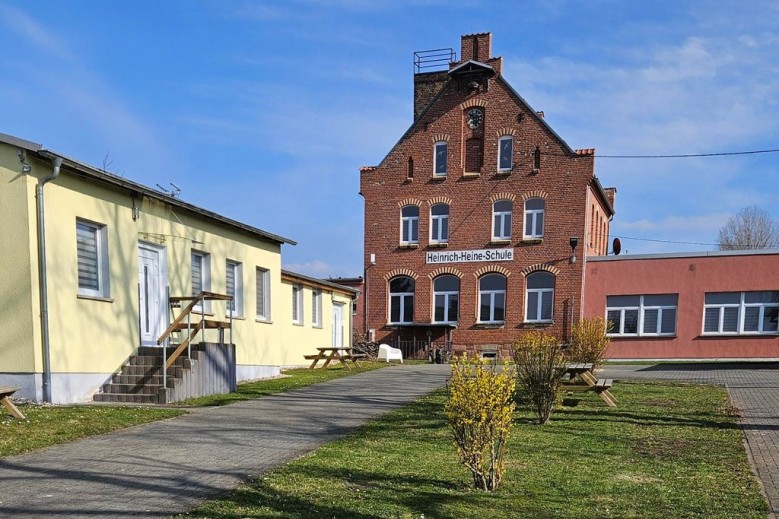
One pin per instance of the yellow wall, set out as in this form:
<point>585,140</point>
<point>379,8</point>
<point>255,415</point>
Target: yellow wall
<point>19,314</point>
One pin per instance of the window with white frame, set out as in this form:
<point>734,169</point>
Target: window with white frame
<point>263,294</point>
<point>446,295</point>
<point>401,299</point>
<point>234,287</point>
<point>409,224</point>
<point>439,223</point>
<point>737,313</point>
<point>92,257</point>
<point>534,218</point>
<point>297,304</point>
<point>316,308</point>
<point>641,315</point>
<point>200,268</point>
<point>505,153</point>
<point>441,154</point>
<point>501,220</point>
<point>539,297</point>
<point>492,298</point>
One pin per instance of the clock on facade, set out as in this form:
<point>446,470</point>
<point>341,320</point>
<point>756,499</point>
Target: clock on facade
<point>474,118</point>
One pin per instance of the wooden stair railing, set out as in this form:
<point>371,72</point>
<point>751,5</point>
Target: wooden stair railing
<point>192,330</point>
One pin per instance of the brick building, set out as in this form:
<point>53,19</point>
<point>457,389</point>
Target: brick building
<point>478,219</point>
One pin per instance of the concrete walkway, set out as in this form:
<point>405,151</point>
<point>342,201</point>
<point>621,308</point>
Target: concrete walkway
<point>753,389</point>
<point>169,467</point>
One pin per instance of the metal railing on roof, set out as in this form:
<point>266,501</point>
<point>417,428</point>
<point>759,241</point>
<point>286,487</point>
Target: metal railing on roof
<point>433,60</point>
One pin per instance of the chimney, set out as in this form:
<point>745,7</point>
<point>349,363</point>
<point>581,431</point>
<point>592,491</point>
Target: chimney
<point>477,47</point>
<point>611,194</point>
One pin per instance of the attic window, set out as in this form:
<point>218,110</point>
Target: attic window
<point>537,160</point>
<point>410,171</point>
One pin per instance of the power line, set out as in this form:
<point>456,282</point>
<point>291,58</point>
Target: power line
<point>666,241</point>
<point>679,156</point>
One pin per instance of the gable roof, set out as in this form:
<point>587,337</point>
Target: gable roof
<point>91,173</point>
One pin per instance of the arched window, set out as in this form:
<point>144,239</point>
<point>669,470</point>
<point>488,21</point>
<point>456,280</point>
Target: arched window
<point>505,153</point>
<point>401,291</point>
<point>539,297</point>
<point>492,298</point>
<point>501,220</point>
<point>439,223</point>
<point>534,218</point>
<point>446,296</point>
<point>440,156</point>
<point>409,224</point>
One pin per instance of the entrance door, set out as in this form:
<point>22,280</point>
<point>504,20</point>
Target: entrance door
<point>152,280</point>
<point>338,326</point>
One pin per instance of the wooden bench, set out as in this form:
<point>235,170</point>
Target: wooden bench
<point>331,354</point>
<point>602,387</point>
<point>5,399</point>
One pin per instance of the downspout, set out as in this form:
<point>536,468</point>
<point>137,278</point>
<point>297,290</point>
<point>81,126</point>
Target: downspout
<point>46,386</point>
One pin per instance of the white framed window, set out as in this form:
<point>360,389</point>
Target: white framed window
<point>263,294</point>
<point>401,299</point>
<point>534,218</point>
<point>200,268</point>
<point>316,308</point>
<point>446,295</point>
<point>539,297</point>
<point>439,223</point>
<point>409,224</point>
<point>501,220</point>
<point>234,287</point>
<point>506,153</point>
<point>642,315</point>
<point>492,298</point>
<point>92,258</point>
<point>297,304</point>
<point>440,157</point>
<point>741,313</point>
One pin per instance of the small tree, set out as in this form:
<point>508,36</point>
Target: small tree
<point>540,366</point>
<point>750,228</point>
<point>480,410</point>
<point>589,341</point>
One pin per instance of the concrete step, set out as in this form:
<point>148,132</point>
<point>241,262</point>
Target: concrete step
<point>136,380</point>
<point>151,371</point>
<point>127,398</point>
<point>134,389</point>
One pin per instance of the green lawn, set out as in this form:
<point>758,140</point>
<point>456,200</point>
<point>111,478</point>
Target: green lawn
<point>667,451</point>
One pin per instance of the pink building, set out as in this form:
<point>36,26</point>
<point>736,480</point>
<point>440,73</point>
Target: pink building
<point>707,305</point>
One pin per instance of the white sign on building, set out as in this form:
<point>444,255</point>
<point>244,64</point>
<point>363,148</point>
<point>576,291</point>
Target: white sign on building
<point>469,256</point>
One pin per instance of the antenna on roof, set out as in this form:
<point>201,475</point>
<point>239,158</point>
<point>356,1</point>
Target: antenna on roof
<point>173,193</point>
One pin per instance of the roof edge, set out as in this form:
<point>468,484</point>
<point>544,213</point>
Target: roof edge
<point>317,281</point>
<point>672,255</point>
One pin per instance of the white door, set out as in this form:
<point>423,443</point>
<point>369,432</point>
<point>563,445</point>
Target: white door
<point>151,282</point>
<point>338,326</point>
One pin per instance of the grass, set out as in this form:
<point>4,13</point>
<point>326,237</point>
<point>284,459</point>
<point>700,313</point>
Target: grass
<point>292,379</point>
<point>48,425</point>
<point>666,451</point>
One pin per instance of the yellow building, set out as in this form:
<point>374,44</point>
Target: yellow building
<point>93,261</point>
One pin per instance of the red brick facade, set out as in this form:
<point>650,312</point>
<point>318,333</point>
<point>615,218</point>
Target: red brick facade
<point>543,167</point>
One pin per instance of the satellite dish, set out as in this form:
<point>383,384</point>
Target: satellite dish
<point>616,246</point>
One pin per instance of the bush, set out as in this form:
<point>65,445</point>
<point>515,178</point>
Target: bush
<point>589,341</point>
<point>480,409</point>
<point>540,366</point>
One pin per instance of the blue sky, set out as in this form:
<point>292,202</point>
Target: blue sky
<point>264,110</point>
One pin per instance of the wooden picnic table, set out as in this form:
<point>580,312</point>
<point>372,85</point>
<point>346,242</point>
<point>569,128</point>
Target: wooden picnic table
<point>581,378</point>
<point>342,355</point>
<point>5,399</point>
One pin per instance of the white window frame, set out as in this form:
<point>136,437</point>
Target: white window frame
<point>101,259</point>
<point>741,307</point>
<point>297,304</point>
<point>497,228</point>
<point>447,295</point>
<point>263,296</point>
<point>492,294</point>
<point>205,276</point>
<point>534,215</point>
<point>641,308</point>
<point>538,294</point>
<point>409,224</point>
<point>401,297</point>
<point>235,308</point>
<point>510,139</point>
<point>316,308</point>
<point>440,172</point>
<point>437,223</point>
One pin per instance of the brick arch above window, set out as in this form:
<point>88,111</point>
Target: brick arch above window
<point>472,103</point>
<point>439,200</point>
<point>409,201</point>
<point>534,194</point>
<point>401,272</point>
<point>546,267</point>
<point>503,196</point>
<point>439,137</point>
<point>506,131</point>
<point>492,269</point>
<point>440,271</point>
